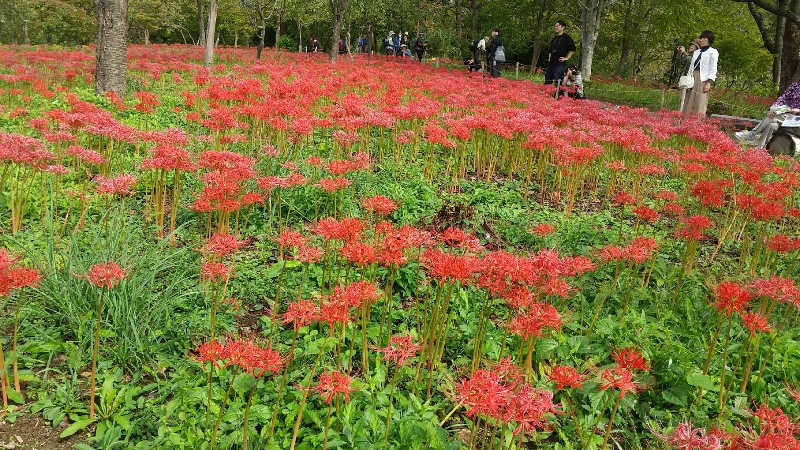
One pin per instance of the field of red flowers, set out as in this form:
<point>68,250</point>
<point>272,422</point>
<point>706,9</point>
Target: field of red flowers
<point>284,253</point>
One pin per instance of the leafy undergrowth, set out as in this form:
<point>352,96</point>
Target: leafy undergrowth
<point>376,254</point>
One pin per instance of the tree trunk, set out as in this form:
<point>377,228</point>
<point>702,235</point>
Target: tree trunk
<point>236,39</point>
<point>790,64</point>
<point>591,18</point>
<point>625,51</point>
<point>112,46</point>
<point>208,55</point>
<point>278,22</point>
<point>26,37</point>
<point>459,25</point>
<point>537,51</point>
<point>338,10</point>
<point>299,38</point>
<point>475,8</point>
<point>261,36</point>
<point>146,36</point>
<point>201,23</point>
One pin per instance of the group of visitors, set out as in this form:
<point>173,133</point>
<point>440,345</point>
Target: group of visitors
<point>490,49</point>
<point>398,44</point>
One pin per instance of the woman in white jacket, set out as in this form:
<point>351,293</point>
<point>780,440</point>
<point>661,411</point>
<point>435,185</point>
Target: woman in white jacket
<point>703,68</point>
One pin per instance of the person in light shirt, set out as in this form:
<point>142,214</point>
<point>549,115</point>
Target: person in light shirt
<point>703,68</point>
<point>787,104</point>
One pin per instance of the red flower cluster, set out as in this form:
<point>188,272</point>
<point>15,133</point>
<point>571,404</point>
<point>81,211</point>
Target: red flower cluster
<point>356,294</point>
<point>222,244</point>
<point>119,185</point>
<point>379,205</point>
<point>399,350</point>
<point>248,356</point>
<point>332,383</point>
<point>13,277</point>
<point>731,298</point>
<point>301,313</point>
<point>566,376</point>
<point>215,272</point>
<point>106,275</point>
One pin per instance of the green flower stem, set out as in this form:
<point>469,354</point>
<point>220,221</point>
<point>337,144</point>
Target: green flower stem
<point>95,347</point>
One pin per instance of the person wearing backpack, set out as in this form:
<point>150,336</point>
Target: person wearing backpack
<point>562,47</point>
<point>493,56</point>
<point>419,46</point>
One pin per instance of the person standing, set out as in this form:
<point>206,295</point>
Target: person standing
<point>703,68</point>
<point>491,48</point>
<point>419,46</point>
<point>562,47</point>
<point>315,47</point>
<point>396,43</point>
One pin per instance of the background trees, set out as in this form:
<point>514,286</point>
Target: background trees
<point>759,40</point>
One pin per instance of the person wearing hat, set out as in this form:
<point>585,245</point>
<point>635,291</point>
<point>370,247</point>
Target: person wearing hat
<point>396,43</point>
<point>388,47</point>
<point>404,40</point>
<point>419,46</point>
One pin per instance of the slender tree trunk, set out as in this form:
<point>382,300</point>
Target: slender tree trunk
<point>780,30</point>
<point>627,34</point>
<point>26,37</point>
<point>537,51</point>
<point>790,65</point>
<point>201,23</point>
<point>591,19</point>
<point>475,8</point>
<point>112,46</point>
<point>236,39</point>
<point>278,22</point>
<point>208,56</point>
<point>338,11</point>
<point>261,36</point>
<point>300,37</point>
<point>459,25</point>
<point>146,36</point>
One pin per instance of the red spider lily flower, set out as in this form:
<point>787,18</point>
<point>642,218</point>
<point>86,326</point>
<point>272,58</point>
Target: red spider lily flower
<point>566,376</point>
<point>645,213</point>
<point>290,238</point>
<point>781,289</point>
<point>631,359</point>
<point>358,253</point>
<point>668,196</point>
<point>621,379</point>
<point>222,244</point>
<point>211,352</point>
<point>508,372</point>
<point>536,320</point>
<point>529,407</point>
<point>214,272</point>
<point>483,393</point>
<point>684,436</point>
<point>251,358</point>
<point>755,322</point>
<point>379,205</point>
<point>332,383</point>
<point>460,239</point>
<point>773,420</point>
<point>333,312</point>
<point>673,209</point>
<point>301,313</point>
<point>251,198</point>
<point>85,155</point>
<point>543,229</point>
<point>356,294</point>
<point>333,184</point>
<point>106,275</point>
<point>694,227</point>
<point>309,254</point>
<point>640,249</point>
<point>768,211</point>
<point>731,298</point>
<point>13,278</point>
<point>399,350</point>
<point>56,169</point>
<point>314,161</point>
<point>651,170</point>
<point>119,185</point>
<point>290,165</point>
<point>346,230</point>
<point>446,267</point>
<point>578,265</point>
<point>709,192</point>
<point>782,243</point>
<point>623,198</point>
<point>616,165</point>
<point>169,157</point>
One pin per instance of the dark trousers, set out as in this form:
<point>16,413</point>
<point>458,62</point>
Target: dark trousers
<point>419,54</point>
<point>555,72</point>
<point>492,68</point>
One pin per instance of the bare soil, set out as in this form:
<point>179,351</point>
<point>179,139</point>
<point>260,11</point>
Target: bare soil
<point>33,432</point>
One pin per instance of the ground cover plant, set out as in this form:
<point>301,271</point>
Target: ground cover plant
<point>285,253</point>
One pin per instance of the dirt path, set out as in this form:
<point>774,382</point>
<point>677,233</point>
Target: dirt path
<point>32,432</point>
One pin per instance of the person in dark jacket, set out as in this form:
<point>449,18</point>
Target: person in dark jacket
<point>396,44</point>
<point>491,48</point>
<point>419,46</point>
<point>562,47</point>
<point>315,47</point>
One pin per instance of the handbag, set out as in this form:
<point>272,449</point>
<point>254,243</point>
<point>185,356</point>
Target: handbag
<point>686,82</point>
<point>500,54</point>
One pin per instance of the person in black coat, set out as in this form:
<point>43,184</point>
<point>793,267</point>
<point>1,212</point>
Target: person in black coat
<point>562,47</point>
<point>491,48</point>
<point>419,46</point>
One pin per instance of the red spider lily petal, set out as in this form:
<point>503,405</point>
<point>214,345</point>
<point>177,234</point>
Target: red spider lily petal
<point>566,376</point>
<point>290,238</point>
<point>755,322</point>
<point>222,244</point>
<point>119,185</point>
<point>309,254</point>
<point>731,298</point>
<point>536,320</point>
<point>543,229</point>
<point>631,359</point>
<point>332,383</point>
<point>212,352</point>
<point>301,313</point>
<point>379,205</point>
<point>529,407</point>
<point>399,350</point>
<point>106,275</point>
<point>621,379</point>
<point>215,271</point>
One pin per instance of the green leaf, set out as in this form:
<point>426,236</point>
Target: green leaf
<point>75,427</point>
<point>243,383</point>
<point>16,397</point>
<point>697,379</point>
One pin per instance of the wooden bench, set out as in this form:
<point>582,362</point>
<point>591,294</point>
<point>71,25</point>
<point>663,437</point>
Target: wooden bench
<point>733,123</point>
